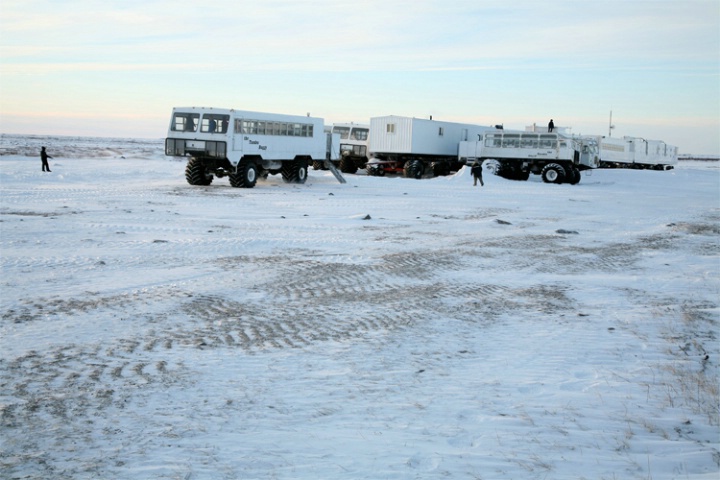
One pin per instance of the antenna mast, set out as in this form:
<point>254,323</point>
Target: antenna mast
<point>611,126</point>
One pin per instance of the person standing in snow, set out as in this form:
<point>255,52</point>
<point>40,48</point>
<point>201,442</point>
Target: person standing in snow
<point>551,126</point>
<point>44,157</point>
<point>476,171</point>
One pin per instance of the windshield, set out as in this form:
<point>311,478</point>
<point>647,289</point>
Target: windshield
<point>360,134</point>
<point>343,131</point>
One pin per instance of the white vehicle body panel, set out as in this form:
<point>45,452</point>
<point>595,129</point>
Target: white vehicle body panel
<point>628,151</point>
<point>353,138</point>
<point>405,135</point>
<point>271,136</point>
<point>529,147</point>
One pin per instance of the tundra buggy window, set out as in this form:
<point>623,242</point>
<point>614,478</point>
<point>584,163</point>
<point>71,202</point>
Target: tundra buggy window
<point>185,122</point>
<point>548,141</point>
<point>493,140</point>
<point>529,141</point>
<point>214,123</point>
<point>262,127</point>
<point>511,141</point>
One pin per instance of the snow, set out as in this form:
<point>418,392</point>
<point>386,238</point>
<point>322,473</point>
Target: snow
<point>152,329</point>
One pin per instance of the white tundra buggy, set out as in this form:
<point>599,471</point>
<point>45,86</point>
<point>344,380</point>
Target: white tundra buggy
<point>556,157</point>
<point>244,145</point>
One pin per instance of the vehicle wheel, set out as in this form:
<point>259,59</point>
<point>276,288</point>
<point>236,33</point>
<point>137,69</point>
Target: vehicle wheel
<point>509,172</point>
<point>440,169</point>
<point>553,173</point>
<point>295,171</point>
<point>196,174</point>
<point>245,177</point>
<point>318,165</point>
<point>413,169</point>
<point>523,175</point>
<point>347,165</point>
<point>575,177</point>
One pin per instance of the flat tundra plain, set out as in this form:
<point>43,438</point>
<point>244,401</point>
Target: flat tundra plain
<point>384,328</point>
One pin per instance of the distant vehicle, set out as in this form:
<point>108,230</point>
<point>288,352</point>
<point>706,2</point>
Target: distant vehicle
<point>245,146</point>
<point>415,147</point>
<point>353,143</point>
<point>635,152</point>
<point>556,157</point>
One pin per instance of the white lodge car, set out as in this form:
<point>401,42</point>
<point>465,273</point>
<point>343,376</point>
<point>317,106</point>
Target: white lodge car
<point>245,145</point>
<point>636,152</point>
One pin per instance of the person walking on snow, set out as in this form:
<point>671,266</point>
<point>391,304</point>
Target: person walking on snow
<point>44,156</point>
<point>476,171</point>
<point>551,126</point>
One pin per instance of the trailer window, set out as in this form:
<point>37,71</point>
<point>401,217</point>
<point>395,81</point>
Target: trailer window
<point>390,128</point>
<point>185,122</point>
<point>441,131</point>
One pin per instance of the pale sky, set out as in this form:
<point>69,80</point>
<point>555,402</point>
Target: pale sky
<point>116,68</point>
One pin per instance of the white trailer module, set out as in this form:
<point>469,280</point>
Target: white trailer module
<point>413,145</point>
<point>635,152</point>
<point>244,145</point>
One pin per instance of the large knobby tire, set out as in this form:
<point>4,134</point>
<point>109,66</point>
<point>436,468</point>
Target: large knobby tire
<point>523,175</point>
<point>347,165</point>
<point>440,169</point>
<point>553,173</point>
<point>575,177</point>
<point>295,171</point>
<point>510,172</point>
<point>196,174</point>
<point>245,177</point>
<point>413,169</point>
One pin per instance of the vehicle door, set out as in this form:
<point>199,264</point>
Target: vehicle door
<point>237,135</point>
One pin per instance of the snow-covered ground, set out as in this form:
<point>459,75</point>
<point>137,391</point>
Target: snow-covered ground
<point>384,328</point>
